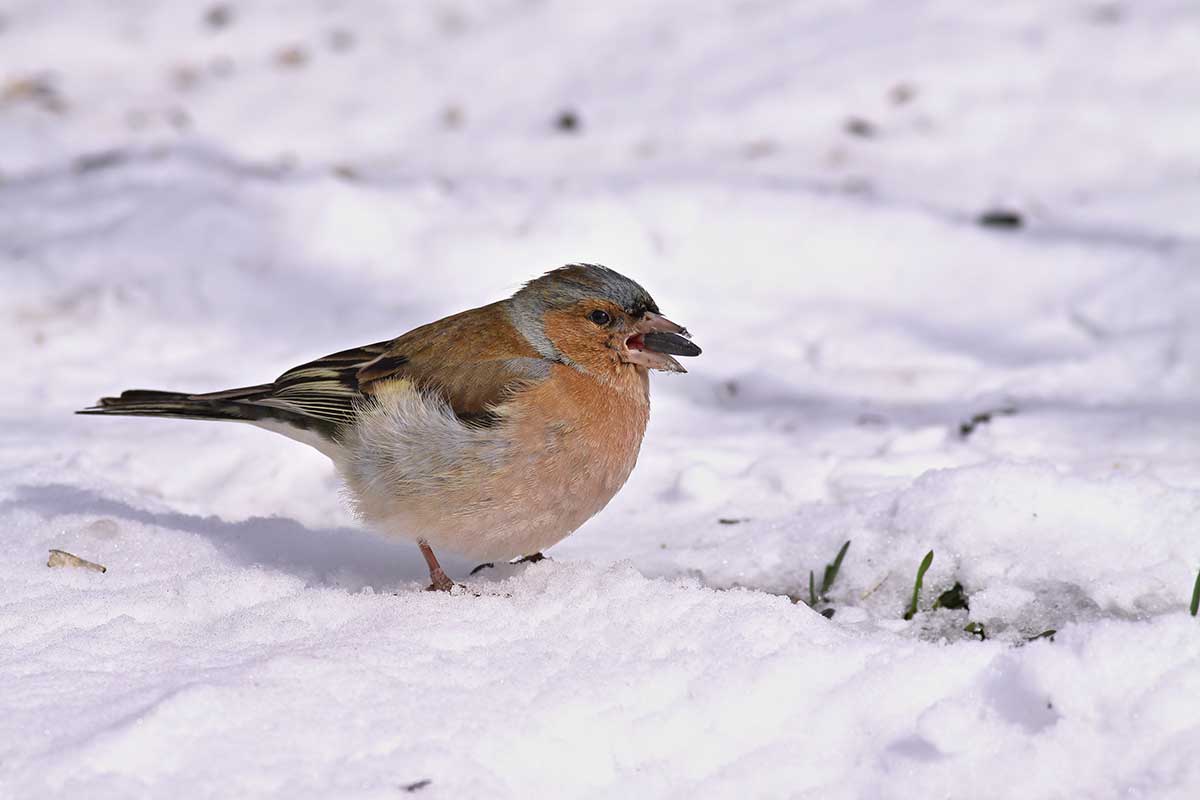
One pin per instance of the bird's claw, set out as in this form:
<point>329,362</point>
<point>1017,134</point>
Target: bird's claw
<point>532,558</point>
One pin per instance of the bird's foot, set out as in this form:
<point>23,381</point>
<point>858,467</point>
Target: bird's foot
<point>529,559</point>
<point>440,582</point>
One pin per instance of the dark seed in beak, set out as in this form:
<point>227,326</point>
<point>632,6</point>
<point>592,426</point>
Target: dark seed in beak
<point>670,343</point>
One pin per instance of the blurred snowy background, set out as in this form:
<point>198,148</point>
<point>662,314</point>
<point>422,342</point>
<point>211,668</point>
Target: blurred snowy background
<point>944,260</point>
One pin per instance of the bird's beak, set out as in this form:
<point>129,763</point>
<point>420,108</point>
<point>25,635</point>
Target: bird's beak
<point>655,339</point>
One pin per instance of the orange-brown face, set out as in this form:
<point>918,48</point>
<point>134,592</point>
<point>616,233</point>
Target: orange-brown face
<point>601,337</point>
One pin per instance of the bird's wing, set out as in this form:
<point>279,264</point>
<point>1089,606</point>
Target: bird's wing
<point>474,360</point>
<point>324,393</point>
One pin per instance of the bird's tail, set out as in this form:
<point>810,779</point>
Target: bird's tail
<point>321,397</point>
<point>237,405</point>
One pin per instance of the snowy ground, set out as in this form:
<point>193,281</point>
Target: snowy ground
<point>194,198</point>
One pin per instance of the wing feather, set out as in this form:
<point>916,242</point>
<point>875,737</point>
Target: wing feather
<point>474,360</point>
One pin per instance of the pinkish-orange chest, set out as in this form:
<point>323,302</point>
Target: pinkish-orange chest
<point>581,437</point>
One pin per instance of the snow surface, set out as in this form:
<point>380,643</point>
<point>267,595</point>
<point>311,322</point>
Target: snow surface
<point>192,199</point>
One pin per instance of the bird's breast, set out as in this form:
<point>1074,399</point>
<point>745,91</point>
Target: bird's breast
<point>558,453</point>
<point>585,435</point>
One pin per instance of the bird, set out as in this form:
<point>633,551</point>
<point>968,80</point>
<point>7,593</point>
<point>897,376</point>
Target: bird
<point>493,433</point>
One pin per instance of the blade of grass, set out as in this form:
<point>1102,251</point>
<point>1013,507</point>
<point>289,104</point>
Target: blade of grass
<point>812,591</point>
<point>921,570</point>
<point>1196,595</point>
<point>831,570</point>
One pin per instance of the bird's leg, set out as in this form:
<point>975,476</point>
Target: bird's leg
<point>439,581</point>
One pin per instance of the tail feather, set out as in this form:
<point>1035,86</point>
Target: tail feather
<point>235,405</point>
<point>314,401</point>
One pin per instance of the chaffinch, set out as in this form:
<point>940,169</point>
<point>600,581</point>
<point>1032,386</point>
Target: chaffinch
<point>494,433</point>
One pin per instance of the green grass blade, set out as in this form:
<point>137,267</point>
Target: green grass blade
<point>831,570</point>
<point>1196,595</point>
<point>812,590</point>
<point>921,570</point>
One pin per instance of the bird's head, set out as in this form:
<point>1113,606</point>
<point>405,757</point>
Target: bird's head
<point>598,320</point>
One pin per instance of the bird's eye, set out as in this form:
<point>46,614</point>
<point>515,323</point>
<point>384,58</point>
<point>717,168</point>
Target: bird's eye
<point>600,317</point>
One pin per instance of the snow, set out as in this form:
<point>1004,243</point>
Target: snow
<point>186,205</point>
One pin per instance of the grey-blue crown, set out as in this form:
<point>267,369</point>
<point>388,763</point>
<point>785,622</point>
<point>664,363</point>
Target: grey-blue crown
<point>566,286</point>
